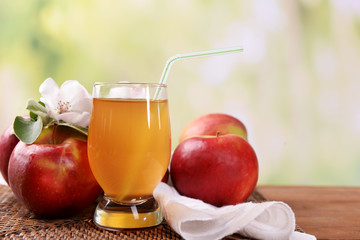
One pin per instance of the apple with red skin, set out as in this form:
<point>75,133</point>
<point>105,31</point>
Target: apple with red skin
<point>165,178</point>
<point>52,176</point>
<point>8,141</point>
<point>219,170</point>
<point>211,124</point>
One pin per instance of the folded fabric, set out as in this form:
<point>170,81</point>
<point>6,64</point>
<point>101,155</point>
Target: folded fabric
<point>194,219</point>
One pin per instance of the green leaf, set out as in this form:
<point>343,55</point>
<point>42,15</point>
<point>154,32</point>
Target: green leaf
<point>41,103</point>
<point>38,108</point>
<point>27,129</point>
<point>33,116</point>
<point>35,107</point>
<point>76,127</point>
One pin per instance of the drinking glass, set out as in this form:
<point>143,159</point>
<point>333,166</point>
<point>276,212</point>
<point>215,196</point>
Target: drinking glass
<point>129,147</point>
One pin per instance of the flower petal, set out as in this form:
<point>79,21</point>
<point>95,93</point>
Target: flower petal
<point>73,92</point>
<point>49,91</point>
<point>80,119</point>
<point>83,105</point>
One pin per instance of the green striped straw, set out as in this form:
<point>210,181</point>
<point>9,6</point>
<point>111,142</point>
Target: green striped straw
<point>177,57</point>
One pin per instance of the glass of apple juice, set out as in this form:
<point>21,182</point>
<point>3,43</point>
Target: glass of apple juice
<point>129,148</point>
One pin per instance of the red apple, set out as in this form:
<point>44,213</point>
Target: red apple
<point>220,170</point>
<point>211,124</point>
<point>165,178</point>
<point>8,141</point>
<point>53,180</point>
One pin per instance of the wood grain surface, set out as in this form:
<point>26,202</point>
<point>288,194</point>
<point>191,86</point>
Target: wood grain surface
<point>326,212</point>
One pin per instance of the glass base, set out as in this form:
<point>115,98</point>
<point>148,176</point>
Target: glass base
<point>117,216</point>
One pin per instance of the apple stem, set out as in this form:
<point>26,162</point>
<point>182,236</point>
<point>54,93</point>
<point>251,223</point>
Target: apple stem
<point>217,133</point>
<point>54,134</point>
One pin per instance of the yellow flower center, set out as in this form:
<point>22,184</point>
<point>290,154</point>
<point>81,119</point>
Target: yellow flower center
<point>63,107</point>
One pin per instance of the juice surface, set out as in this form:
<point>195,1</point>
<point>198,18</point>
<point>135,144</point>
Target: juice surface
<point>129,146</point>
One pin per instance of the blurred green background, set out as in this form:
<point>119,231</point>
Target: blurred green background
<point>296,86</point>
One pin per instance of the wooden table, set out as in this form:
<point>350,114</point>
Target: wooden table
<point>326,212</point>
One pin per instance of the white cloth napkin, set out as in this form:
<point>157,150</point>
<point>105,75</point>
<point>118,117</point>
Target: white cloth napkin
<point>2,180</point>
<point>194,219</point>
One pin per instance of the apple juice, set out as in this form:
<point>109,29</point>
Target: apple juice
<point>129,146</point>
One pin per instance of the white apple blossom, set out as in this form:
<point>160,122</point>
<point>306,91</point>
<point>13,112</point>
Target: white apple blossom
<point>70,103</point>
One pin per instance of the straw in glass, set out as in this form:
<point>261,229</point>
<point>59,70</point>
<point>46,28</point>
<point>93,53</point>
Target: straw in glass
<point>177,57</point>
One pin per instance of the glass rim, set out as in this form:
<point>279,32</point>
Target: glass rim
<point>130,84</point>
